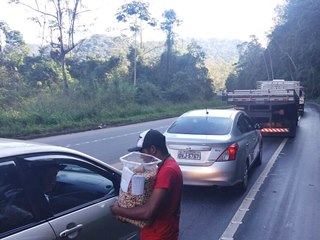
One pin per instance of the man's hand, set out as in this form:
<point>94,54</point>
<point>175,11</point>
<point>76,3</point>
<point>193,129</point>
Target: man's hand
<point>115,208</point>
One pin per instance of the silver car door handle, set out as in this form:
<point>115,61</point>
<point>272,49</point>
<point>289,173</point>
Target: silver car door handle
<point>247,144</point>
<point>65,233</point>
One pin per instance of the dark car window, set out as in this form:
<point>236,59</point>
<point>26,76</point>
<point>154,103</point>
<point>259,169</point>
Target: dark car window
<point>244,124</point>
<point>15,210</point>
<point>76,183</point>
<point>249,123</point>
<point>201,125</point>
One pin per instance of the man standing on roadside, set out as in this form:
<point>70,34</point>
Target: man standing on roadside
<point>163,207</point>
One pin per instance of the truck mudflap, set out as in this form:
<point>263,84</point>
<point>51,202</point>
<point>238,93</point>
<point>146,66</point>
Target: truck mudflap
<point>275,130</point>
<point>285,132</point>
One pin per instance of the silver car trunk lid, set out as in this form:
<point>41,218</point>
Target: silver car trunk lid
<point>201,150</point>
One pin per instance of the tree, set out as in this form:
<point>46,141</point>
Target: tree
<point>170,21</point>
<point>41,73</point>
<point>250,67</point>
<point>13,48</point>
<point>9,39</point>
<point>136,12</point>
<point>189,79</point>
<point>294,44</point>
<point>292,52</point>
<point>12,53</point>
<point>62,23</point>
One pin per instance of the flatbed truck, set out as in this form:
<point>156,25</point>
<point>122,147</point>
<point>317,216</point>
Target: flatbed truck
<point>281,84</point>
<point>275,110</point>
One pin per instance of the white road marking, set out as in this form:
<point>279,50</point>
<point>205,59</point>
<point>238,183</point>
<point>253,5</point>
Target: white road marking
<point>102,139</point>
<point>245,205</point>
<point>109,138</point>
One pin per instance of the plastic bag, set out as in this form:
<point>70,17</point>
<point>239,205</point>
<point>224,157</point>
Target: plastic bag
<point>137,182</point>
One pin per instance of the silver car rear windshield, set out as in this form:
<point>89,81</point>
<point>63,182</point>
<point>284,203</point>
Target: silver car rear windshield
<point>201,125</point>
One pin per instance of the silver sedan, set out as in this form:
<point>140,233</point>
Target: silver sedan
<point>215,147</point>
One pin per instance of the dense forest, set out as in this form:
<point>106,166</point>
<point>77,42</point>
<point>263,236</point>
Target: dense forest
<point>73,84</point>
<point>292,53</point>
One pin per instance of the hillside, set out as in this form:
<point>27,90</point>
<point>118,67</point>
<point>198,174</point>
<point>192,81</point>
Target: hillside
<point>220,54</point>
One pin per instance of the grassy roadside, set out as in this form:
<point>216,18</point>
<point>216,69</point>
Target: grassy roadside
<point>317,100</point>
<point>46,118</point>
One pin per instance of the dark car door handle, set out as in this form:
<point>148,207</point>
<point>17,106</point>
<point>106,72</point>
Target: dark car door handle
<point>65,233</point>
<point>247,144</point>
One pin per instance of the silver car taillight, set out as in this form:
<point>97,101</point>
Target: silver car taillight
<point>229,154</point>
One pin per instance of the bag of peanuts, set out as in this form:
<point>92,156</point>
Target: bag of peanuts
<point>137,181</point>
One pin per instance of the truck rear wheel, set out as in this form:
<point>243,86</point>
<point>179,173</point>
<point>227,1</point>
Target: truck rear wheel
<point>293,130</point>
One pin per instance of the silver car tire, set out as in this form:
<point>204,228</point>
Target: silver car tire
<point>259,157</point>
<point>243,185</point>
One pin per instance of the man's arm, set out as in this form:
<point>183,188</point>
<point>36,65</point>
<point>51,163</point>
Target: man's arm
<point>143,212</point>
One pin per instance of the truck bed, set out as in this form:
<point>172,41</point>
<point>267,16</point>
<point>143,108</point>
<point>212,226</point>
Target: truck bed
<point>269,96</point>
<point>275,110</point>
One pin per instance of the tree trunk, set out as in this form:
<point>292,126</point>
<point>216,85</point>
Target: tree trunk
<point>64,75</point>
<point>135,67</point>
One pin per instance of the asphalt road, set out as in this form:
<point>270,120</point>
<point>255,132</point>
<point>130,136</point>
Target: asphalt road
<point>283,199</point>
<point>288,204</point>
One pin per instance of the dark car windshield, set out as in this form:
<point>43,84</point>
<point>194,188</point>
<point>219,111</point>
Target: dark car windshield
<point>201,125</point>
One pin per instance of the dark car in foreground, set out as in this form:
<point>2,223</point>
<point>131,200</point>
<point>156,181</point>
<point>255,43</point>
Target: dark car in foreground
<point>75,204</point>
<point>215,146</point>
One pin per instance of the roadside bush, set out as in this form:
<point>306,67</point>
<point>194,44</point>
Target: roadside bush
<point>118,91</point>
<point>147,94</point>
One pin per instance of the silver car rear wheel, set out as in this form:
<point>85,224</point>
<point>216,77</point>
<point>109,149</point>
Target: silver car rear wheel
<point>259,157</point>
<point>244,184</point>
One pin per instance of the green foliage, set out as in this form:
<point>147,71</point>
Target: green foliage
<point>169,23</point>
<point>13,39</point>
<point>135,10</point>
<point>147,94</point>
<point>119,92</point>
<point>13,89</point>
<point>317,100</point>
<point>41,73</point>
<point>294,44</point>
<point>92,73</point>
<point>60,114</point>
<point>101,90</point>
<point>292,52</point>
<point>250,68</point>
<point>59,21</point>
<point>189,79</point>
<point>135,13</point>
<point>100,47</point>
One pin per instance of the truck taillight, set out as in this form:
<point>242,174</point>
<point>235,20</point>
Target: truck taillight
<point>280,112</point>
<point>229,154</point>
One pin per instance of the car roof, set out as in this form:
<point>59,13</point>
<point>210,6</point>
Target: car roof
<point>227,113</point>
<point>14,147</point>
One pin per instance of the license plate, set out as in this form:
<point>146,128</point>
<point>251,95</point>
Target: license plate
<point>190,155</point>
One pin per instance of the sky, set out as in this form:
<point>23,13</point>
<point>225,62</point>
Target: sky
<point>201,19</point>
